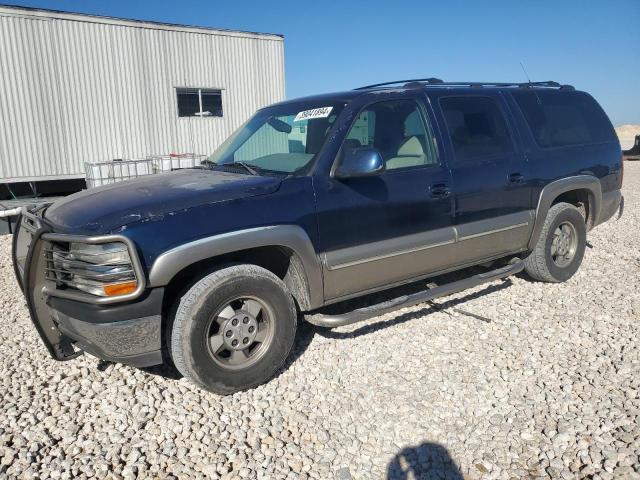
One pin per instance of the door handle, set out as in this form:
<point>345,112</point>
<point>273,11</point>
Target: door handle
<point>516,178</point>
<point>439,190</point>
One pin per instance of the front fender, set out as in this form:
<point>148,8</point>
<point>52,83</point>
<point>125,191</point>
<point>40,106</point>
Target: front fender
<point>169,263</point>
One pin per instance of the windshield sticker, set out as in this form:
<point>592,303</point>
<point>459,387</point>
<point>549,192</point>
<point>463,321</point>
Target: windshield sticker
<point>321,112</point>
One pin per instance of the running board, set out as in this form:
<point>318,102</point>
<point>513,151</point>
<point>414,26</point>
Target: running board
<point>404,301</point>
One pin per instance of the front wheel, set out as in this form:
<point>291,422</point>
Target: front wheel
<point>233,329</point>
<point>560,248</point>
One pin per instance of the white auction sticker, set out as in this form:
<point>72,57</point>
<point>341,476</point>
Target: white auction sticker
<point>321,112</point>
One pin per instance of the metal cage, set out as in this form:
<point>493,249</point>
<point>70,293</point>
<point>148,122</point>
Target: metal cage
<point>106,173</point>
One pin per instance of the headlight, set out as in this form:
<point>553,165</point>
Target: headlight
<point>102,269</point>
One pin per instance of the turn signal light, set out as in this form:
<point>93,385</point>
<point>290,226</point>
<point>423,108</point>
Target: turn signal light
<point>115,289</point>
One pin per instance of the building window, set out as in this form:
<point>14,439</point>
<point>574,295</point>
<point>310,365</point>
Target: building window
<point>199,102</point>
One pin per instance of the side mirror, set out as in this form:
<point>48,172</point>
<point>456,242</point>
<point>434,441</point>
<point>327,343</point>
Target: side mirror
<point>359,162</point>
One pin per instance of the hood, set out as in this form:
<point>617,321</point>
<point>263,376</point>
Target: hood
<point>103,209</point>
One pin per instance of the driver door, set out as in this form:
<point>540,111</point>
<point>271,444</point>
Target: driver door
<point>385,229</point>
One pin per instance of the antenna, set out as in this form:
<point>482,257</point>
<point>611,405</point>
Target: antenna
<point>525,72</point>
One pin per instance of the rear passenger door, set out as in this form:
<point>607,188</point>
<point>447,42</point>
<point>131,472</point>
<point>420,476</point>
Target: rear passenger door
<point>492,210</point>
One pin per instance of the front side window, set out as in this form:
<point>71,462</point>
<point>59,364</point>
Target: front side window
<point>397,129</point>
<point>476,126</point>
<point>559,119</point>
<point>279,139</point>
<point>199,102</point>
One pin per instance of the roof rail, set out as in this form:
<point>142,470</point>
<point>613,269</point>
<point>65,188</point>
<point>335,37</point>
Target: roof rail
<point>427,81</point>
<point>436,82</point>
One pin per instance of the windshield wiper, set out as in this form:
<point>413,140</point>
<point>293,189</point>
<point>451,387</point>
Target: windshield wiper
<point>247,167</point>
<point>211,164</point>
<point>208,163</point>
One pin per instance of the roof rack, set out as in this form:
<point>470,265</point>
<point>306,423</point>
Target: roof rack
<point>436,82</point>
<point>422,81</point>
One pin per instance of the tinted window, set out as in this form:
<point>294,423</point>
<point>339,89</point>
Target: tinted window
<point>397,129</point>
<point>199,102</point>
<point>558,119</point>
<point>476,127</point>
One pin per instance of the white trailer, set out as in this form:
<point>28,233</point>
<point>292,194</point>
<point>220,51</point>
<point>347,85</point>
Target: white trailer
<point>79,88</point>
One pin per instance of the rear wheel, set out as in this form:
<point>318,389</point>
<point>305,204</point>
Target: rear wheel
<point>233,329</point>
<point>560,248</point>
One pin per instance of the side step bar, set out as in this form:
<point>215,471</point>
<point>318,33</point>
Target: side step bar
<point>404,301</point>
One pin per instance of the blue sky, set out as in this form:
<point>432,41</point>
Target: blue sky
<point>334,45</point>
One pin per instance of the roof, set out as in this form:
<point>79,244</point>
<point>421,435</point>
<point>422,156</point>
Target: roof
<point>405,85</point>
<point>344,96</point>
<point>129,22</point>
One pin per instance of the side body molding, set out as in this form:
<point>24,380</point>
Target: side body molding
<point>168,264</point>
<point>551,191</point>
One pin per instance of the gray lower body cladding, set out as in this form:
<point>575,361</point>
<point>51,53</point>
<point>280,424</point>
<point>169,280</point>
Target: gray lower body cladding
<point>369,266</point>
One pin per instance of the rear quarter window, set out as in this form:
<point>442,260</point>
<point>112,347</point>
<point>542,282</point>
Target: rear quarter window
<point>560,119</point>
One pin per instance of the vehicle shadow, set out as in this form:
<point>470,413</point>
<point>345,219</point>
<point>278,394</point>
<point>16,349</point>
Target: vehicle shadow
<point>427,461</point>
<point>166,370</point>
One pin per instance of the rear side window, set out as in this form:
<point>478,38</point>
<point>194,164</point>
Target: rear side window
<point>560,119</point>
<point>477,127</point>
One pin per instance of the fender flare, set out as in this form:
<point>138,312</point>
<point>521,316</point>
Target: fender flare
<point>169,263</point>
<point>551,191</point>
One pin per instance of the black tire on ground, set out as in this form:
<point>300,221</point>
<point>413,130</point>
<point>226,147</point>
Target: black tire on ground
<point>198,314</point>
<point>540,264</point>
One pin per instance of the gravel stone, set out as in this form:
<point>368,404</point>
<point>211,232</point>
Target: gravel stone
<point>548,387</point>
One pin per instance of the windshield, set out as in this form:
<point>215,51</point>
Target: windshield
<point>283,139</point>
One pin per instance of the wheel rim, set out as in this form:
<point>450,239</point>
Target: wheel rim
<point>564,244</point>
<point>240,332</point>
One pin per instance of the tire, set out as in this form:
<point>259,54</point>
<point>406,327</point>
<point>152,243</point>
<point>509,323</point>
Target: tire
<point>204,324</point>
<point>542,264</point>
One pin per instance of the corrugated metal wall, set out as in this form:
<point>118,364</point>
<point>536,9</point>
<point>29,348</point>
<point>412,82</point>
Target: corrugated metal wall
<point>76,89</point>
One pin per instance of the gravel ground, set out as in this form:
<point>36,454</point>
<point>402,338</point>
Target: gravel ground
<point>513,380</point>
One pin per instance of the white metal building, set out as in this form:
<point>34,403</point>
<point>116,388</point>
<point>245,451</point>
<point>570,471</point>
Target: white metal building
<point>76,88</point>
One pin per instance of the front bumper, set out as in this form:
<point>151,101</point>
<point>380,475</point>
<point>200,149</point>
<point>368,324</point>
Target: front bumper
<point>128,332</point>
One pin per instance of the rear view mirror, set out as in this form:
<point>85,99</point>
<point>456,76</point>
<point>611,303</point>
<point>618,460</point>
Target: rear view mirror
<point>279,125</point>
<point>359,162</point>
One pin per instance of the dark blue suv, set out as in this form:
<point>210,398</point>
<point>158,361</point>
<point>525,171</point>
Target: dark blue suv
<point>312,202</point>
